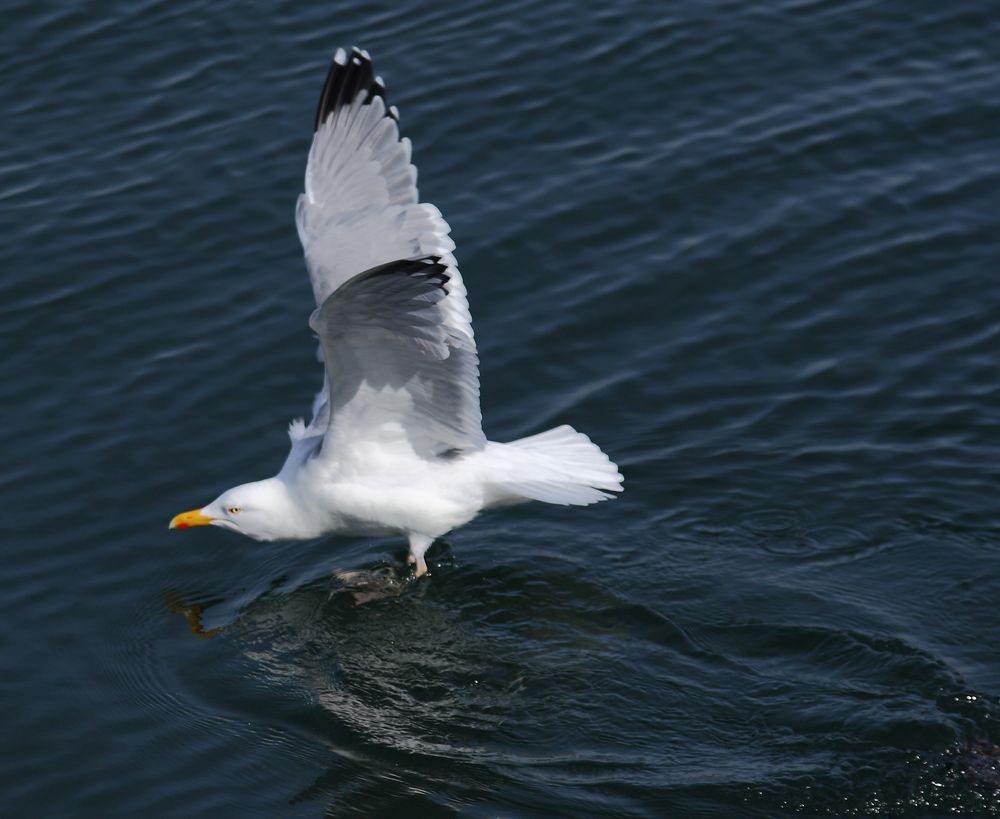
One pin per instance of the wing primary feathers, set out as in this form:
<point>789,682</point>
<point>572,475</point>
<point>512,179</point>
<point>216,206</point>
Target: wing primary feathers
<point>349,75</point>
<point>428,268</point>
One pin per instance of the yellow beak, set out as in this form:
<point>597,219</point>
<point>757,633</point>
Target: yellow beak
<point>192,518</point>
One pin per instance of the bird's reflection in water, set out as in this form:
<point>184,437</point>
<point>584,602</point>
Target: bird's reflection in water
<point>414,697</point>
<point>192,613</point>
<point>385,672</point>
<point>350,587</point>
<point>360,586</point>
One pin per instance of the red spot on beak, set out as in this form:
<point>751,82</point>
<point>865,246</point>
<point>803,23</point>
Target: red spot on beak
<point>182,526</point>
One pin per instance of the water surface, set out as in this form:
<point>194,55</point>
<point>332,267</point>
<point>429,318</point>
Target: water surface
<point>752,251</point>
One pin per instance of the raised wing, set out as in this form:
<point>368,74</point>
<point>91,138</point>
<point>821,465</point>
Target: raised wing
<point>400,372</point>
<point>360,213</point>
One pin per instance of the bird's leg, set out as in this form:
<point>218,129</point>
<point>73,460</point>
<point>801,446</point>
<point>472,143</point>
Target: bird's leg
<point>418,545</point>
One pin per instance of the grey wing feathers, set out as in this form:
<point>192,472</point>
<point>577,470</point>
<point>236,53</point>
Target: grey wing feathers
<point>397,367</point>
<point>396,339</point>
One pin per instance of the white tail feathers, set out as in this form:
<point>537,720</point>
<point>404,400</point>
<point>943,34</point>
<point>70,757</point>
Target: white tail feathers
<point>560,466</point>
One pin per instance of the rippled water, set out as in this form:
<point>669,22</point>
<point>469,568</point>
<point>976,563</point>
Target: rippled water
<point>752,250</point>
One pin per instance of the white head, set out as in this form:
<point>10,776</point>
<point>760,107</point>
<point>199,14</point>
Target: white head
<point>261,510</point>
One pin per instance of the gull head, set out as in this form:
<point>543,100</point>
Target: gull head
<point>260,510</point>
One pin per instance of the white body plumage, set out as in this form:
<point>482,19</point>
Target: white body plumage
<point>395,444</point>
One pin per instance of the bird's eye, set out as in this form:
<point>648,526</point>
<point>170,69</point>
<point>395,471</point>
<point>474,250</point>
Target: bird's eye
<point>234,510</point>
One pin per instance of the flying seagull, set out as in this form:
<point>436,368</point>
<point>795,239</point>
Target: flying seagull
<point>395,444</point>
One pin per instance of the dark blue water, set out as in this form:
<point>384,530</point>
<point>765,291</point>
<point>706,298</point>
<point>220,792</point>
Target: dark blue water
<point>752,249</point>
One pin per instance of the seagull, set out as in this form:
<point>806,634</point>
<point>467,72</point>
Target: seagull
<point>395,445</point>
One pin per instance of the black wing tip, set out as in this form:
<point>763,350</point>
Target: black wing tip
<point>428,268</point>
<point>349,75</point>
<point>423,270</point>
